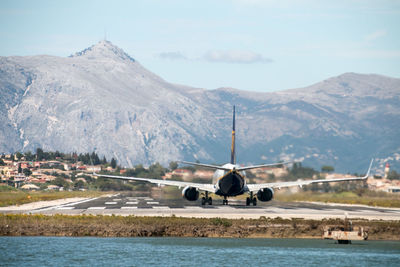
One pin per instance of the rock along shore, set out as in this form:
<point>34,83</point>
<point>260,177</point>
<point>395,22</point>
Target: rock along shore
<point>131,226</point>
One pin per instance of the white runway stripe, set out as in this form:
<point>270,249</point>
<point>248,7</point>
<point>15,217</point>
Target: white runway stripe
<point>128,208</point>
<point>111,203</point>
<point>65,208</point>
<point>161,208</point>
<point>96,208</point>
<point>153,203</point>
<point>131,203</point>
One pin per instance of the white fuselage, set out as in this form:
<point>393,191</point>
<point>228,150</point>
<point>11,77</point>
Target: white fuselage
<point>229,183</point>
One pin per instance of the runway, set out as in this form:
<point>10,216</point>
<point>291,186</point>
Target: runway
<point>127,204</point>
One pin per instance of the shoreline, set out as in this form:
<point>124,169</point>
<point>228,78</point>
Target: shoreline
<point>133,226</point>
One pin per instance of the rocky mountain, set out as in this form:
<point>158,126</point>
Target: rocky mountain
<point>102,99</point>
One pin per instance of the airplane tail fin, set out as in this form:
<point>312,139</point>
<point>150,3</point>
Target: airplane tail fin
<point>233,155</point>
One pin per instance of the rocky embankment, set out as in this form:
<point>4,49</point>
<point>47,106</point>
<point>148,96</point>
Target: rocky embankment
<point>130,226</point>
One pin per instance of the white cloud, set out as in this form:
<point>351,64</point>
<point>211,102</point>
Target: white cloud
<point>375,35</point>
<point>235,56</point>
<point>172,56</point>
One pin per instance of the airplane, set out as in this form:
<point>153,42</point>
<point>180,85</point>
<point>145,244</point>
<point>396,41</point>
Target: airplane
<point>229,180</point>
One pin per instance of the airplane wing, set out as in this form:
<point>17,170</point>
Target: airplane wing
<point>279,185</point>
<point>204,187</point>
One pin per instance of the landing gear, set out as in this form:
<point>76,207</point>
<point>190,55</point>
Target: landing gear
<point>251,200</point>
<point>225,201</point>
<point>206,200</point>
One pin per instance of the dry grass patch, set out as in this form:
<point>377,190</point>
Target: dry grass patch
<point>20,197</point>
<point>376,199</point>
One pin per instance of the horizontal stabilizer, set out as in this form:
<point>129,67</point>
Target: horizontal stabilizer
<point>263,165</point>
<point>215,167</point>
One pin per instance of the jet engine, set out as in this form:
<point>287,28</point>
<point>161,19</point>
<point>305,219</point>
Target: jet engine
<point>265,194</point>
<point>190,193</point>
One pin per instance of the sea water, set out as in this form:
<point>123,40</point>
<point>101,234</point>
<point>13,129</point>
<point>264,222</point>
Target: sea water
<point>92,251</point>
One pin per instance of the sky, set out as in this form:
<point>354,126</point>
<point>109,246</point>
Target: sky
<point>254,45</point>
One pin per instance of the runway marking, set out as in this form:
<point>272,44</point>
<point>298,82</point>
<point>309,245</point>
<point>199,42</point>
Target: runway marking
<point>64,205</point>
<point>132,199</point>
<point>116,199</point>
<point>153,202</point>
<point>193,207</point>
<point>131,203</point>
<point>96,208</point>
<point>148,199</point>
<point>111,203</point>
<point>162,208</point>
<point>128,208</point>
<point>66,208</point>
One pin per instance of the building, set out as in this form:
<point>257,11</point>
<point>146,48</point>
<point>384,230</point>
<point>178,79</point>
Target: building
<point>204,174</point>
<point>387,170</point>
<point>391,186</point>
<point>93,168</point>
<point>393,189</point>
<point>265,172</point>
<point>66,167</point>
<point>30,187</point>
<point>182,173</point>
<point>53,187</point>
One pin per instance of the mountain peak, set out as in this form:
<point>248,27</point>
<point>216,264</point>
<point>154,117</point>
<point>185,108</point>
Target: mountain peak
<point>104,49</point>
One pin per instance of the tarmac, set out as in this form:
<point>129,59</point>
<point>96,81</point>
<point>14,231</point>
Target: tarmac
<point>128,204</point>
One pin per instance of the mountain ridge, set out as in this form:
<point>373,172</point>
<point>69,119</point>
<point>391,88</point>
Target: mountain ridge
<point>101,98</point>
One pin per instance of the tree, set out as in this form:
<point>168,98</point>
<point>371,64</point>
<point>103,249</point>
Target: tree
<point>141,171</point>
<point>27,172</point>
<point>156,170</point>
<point>173,165</point>
<point>104,160</point>
<point>79,184</point>
<point>19,155</point>
<point>39,153</point>
<point>393,175</point>
<point>327,168</point>
<point>85,158</point>
<point>57,154</point>
<point>113,163</point>
<point>60,182</point>
<point>29,156</point>
<point>75,156</point>
<point>95,158</point>
<point>298,171</point>
<point>19,168</point>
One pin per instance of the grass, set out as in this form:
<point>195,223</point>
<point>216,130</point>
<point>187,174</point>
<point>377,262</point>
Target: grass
<point>370,198</point>
<point>6,188</point>
<point>19,197</point>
